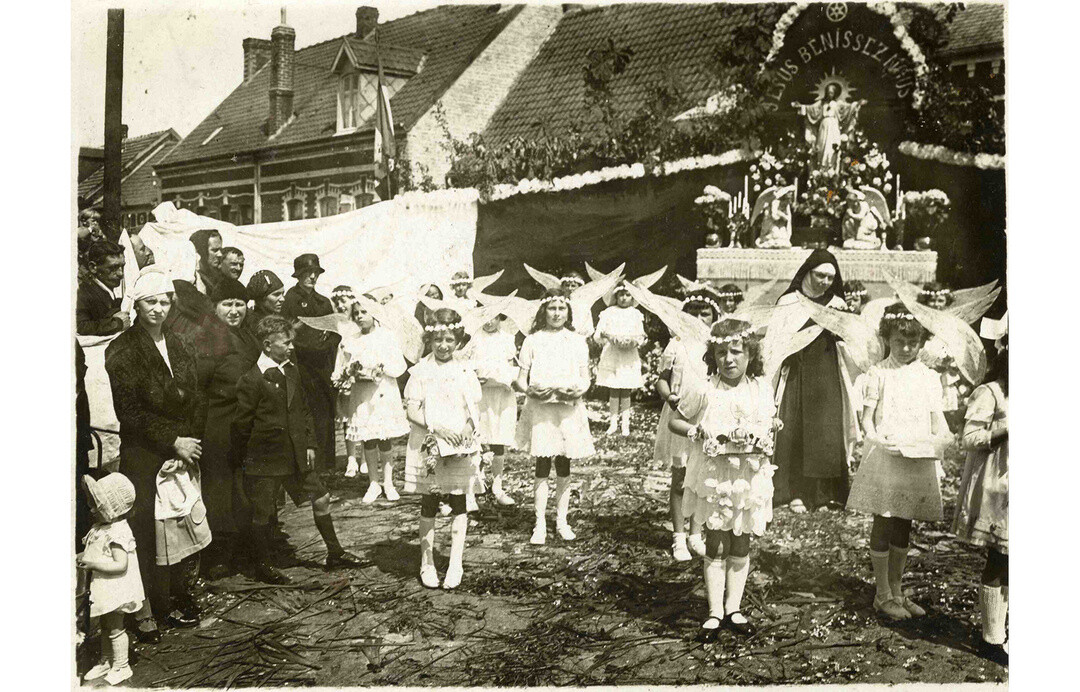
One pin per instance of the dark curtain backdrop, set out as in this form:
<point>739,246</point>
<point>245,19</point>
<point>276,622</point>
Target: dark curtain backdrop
<point>646,222</point>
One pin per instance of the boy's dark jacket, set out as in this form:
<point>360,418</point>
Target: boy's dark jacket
<point>273,428</point>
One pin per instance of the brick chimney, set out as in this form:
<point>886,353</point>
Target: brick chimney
<point>366,20</point>
<point>256,54</point>
<point>283,42</point>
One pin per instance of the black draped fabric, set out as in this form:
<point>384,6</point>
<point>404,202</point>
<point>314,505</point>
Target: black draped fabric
<point>811,457</point>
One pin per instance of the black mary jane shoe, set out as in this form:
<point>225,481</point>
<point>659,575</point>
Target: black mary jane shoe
<point>743,629</point>
<point>707,635</point>
<point>342,559</point>
<point>995,653</point>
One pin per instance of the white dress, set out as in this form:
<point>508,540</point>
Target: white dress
<point>492,357</point>
<point>683,361</point>
<point>112,592</point>
<point>622,331</point>
<point>732,488</point>
<point>555,427</point>
<point>372,410</point>
<point>904,485</point>
<point>449,396</point>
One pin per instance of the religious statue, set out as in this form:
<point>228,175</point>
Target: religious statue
<point>826,120</point>
<point>865,220</point>
<point>773,207</point>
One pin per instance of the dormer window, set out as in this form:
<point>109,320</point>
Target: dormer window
<point>357,99</point>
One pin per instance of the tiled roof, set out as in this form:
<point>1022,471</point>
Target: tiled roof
<point>394,58</point>
<point>977,26</point>
<point>665,38</point>
<point>136,188</point>
<point>449,36</point>
<point>672,38</point>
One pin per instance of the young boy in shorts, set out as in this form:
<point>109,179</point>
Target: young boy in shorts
<point>273,440</point>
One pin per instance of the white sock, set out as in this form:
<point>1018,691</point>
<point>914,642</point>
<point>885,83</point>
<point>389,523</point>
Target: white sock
<point>626,422</point>
<point>540,498</point>
<point>737,570</point>
<point>427,542</point>
<point>897,563</point>
<point>562,499</point>
<point>715,577</point>
<point>995,606</point>
<point>880,562</point>
<point>118,642</point>
<point>388,468</point>
<point>458,527</point>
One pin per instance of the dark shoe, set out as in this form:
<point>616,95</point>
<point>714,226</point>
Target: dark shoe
<point>744,629</point>
<point>181,620</point>
<point>147,632</point>
<point>271,575</point>
<point>707,635</point>
<point>342,559</point>
<point>994,653</point>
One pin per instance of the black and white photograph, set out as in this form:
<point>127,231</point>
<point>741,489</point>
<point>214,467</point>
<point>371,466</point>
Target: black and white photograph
<point>446,344</point>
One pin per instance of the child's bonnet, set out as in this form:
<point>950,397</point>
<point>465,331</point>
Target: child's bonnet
<point>112,496</point>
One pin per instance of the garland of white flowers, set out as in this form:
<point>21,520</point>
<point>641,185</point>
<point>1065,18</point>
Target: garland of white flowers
<point>936,152</point>
<point>886,9</point>
<point>624,172</point>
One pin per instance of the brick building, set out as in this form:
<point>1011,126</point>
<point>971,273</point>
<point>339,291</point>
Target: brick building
<point>296,138</point>
<point>140,189</point>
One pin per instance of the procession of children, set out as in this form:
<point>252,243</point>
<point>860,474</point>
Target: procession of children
<point>846,402</point>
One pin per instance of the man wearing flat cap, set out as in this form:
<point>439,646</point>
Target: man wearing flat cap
<point>315,353</point>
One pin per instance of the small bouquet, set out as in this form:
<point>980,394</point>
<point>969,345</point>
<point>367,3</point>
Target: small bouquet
<point>742,438</point>
<point>355,372</point>
<point>625,341</point>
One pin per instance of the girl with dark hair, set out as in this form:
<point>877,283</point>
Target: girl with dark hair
<point>732,481</point>
<point>936,295</point>
<point>681,360</point>
<point>730,296</point>
<point>816,393</point>
<point>982,510</point>
<point>855,296</point>
<point>898,479</point>
<point>443,399</point>
<point>554,426</point>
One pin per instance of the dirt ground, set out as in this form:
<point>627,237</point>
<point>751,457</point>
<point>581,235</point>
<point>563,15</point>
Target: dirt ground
<point>610,608</point>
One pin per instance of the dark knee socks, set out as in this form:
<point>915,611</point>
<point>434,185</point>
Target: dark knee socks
<point>543,466</point>
<point>325,524</point>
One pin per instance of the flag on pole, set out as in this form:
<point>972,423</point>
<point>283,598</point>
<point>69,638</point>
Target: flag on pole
<point>385,146</point>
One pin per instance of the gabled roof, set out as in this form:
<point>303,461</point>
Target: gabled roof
<point>364,55</point>
<point>977,27</point>
<point>674,39</point>
<point>449,37</point>
<point>137,158</point>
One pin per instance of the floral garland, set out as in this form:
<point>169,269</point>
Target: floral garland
<point>747,439</point>
<point>886,9</point>
<point>936,152</point>
<point>624,172</point>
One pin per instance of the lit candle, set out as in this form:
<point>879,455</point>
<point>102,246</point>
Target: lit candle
<point>795,200</point>
<point>746,186</point>
<point>898,191</point>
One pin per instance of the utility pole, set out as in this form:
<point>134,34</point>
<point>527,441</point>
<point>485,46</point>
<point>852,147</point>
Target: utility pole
<point>114,95</point>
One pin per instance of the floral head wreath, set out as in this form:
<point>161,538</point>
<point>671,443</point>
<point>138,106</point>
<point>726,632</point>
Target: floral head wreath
<point>934,294</point>
<point>461,281</point>
<point>730,294</point>
<point>549,299</point>
<point>906,316</point>
<point>571,279</point>
<point>731,338</point>
<point>705,300</point>
<point>856,293</point>
<point>434,328</point>
<point>342,293</point>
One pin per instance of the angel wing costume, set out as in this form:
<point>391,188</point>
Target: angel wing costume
<point>582,298</point>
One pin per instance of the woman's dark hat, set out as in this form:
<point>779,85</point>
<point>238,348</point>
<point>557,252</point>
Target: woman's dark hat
<point>262,283</point>
<point>228,289</point>
<point>306,263</point>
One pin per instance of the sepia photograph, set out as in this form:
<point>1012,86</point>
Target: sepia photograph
<point>449,344</point>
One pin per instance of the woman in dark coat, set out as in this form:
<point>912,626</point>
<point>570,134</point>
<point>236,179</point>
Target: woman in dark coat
<point>815,394</point>
<point>156,396</point>
<point>266,291</point>
<point>220,486</point>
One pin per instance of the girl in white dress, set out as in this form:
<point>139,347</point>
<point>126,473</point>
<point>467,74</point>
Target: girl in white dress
<point>369,361</point>
<point>733,482</point>
<point>906,431</point>
<point>342,298</point>
<point>621,331</point>
<point>493,356</point>
<point>554,426</point>
<point>443,455</point>
<point>681,360</point>
<point>115,583</point>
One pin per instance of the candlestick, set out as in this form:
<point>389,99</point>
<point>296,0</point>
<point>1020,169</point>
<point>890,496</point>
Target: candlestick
<point>898,191</point>
<point>795,200</point>
<point>746,186</point>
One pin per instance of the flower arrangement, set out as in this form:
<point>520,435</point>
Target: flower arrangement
<point>742,438</point>
<point>352,373</point>
<point>937,152</point>
<point>925,212</point>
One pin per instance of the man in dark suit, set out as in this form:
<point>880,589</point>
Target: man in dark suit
<point>97,308</point>
<point>272,439</point>
<point>315,354</point>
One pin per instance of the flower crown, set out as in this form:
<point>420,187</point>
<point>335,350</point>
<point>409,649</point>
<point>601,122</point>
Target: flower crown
<point>857,293</point>
<point>702,299</point>
<point>900,316</point>
<point>935,294</point>
<point>343,293</point>
<point>459,282</point>
<point>453,326</point>
<point>738,336</point>
<point>730,294</point>
<point>549,299</point>
<point>576,280</point>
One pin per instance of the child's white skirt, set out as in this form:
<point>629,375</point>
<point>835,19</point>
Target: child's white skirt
<point>670,448</point>
<point>554,429</point>
<point>731,492</point>
<point>619,368</point>
<point>498,416</point>
<point>373,411</point>
<point>891,485</point>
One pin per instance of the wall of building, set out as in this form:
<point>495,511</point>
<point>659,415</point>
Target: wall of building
<point>473,99</point>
